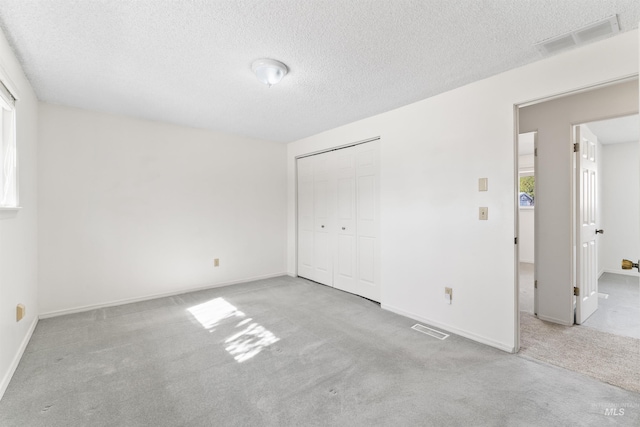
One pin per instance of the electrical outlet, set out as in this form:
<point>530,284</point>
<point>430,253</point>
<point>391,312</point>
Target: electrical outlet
<point>20,312</point>
<point>448,295</point>
<point>216,262</point>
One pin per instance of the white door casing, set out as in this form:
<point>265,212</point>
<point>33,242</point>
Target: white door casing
<point>535,228</point>
<point>586,237</point>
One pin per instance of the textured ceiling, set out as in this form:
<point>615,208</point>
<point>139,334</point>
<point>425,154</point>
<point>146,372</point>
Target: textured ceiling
<point>189,62</point>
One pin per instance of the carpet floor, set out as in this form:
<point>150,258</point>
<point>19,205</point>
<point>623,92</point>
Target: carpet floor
<point>286,352</point>
<point>619,312</point>
<point>614,359</point>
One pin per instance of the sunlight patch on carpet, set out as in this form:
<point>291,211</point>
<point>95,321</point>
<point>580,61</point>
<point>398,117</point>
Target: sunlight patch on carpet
<point>211,313</point>
<point>249,342</point>
<point>246,343</point>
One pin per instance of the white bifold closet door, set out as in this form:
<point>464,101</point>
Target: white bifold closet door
<point>338,219</point>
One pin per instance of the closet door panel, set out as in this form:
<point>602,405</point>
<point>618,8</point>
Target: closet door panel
<point>345,230</point>
<point>367,223</point>
<point>366,257</point>
<point>338,219</point>
<point>305,217</point>
<point>323,212</point>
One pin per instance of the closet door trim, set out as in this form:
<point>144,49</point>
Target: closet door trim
<point>340,147</point>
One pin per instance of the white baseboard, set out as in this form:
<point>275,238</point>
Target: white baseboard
<point>81,309</point>
<point>554,320</point>
<point>448,328</point>
<point>633,273</point>
<point>16,359</point>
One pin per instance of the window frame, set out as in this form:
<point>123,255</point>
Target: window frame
<point>8,102</point>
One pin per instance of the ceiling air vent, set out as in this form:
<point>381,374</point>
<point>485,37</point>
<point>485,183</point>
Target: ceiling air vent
<point>592,32</point>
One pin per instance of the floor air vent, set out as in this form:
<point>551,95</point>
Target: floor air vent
<point>429,331</point>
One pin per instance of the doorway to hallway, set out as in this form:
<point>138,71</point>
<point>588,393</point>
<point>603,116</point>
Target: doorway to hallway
<point>556,223</point>
<point>605,345</point>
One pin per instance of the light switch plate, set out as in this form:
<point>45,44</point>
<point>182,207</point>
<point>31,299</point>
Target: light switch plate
<point>483,184</point>
<point>484,213</point>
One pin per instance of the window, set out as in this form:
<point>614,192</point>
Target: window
<point>8,157</point>
<point>527,192</point>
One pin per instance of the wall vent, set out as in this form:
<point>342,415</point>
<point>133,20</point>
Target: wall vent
<point>589,33</point>
<point>429,331</point>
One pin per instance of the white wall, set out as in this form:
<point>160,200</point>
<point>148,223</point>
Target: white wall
<point>131,208</point>
<point>18,241</point>
<point>621,210</point>
<point>432,154</point>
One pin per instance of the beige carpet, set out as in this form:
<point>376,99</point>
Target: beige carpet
<point>609,358</point>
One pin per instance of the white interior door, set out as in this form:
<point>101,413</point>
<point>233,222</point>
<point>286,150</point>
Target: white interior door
<point>314,219</point>
<point>323,211</point>
<point>345,252</point>
<point>586,242</point>
<point>368,265</point>
<point>338,219</point>
<point>305,217</point>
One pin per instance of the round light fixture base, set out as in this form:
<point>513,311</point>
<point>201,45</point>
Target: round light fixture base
<point>269,71</point>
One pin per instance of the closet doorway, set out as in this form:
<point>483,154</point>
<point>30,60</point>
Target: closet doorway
<point>338,218</point>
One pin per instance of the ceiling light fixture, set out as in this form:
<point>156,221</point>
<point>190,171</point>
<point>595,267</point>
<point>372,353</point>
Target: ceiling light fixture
<point>269,71</point>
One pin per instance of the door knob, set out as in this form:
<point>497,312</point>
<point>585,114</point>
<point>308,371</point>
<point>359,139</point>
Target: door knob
<point>322,226</point>
<point>628,265</point>
<point>599,231</point>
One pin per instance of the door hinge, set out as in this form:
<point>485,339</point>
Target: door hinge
<point>576,147</point>
<point>515,241</point>
<point>535,284</point>
<point>535,152</point>
<point>576,291</point>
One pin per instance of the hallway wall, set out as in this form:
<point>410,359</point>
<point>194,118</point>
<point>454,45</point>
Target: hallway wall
<point>620,179</point>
